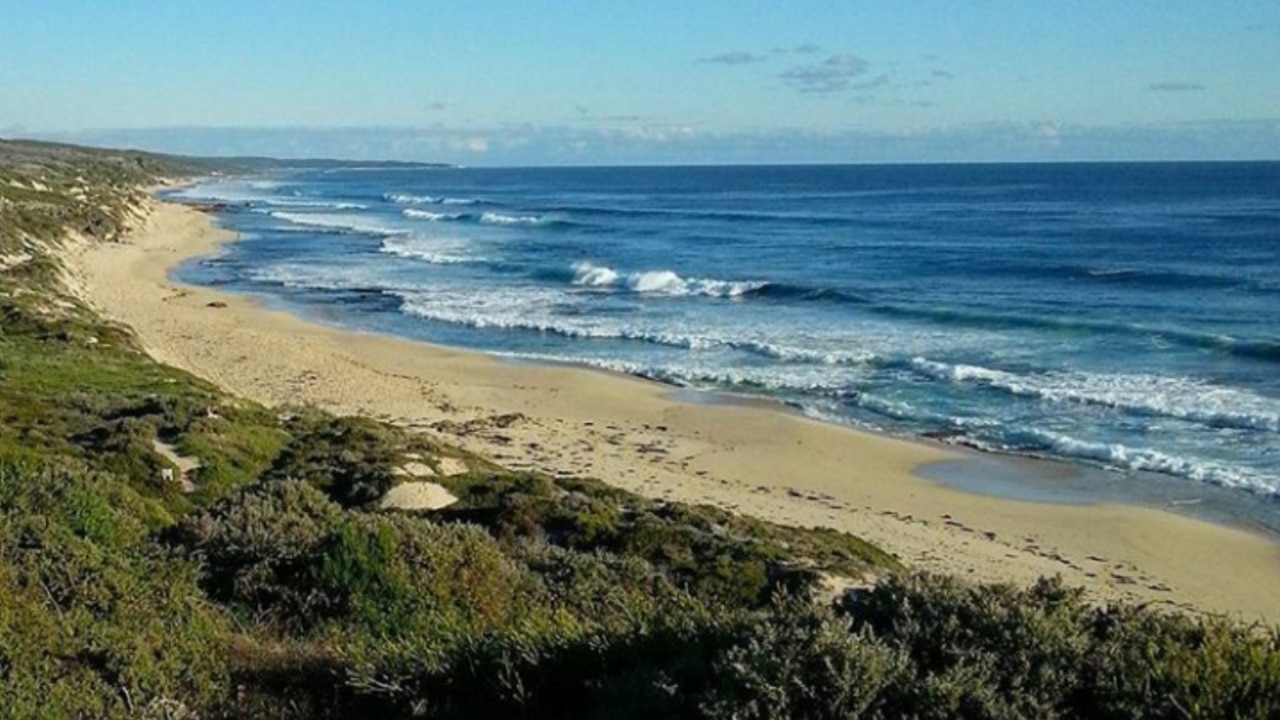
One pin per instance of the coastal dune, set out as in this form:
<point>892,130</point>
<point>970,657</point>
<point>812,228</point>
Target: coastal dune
<point>751,458</point>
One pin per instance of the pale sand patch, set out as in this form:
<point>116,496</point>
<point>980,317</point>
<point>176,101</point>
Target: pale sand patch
<point>453,466</point>
<point>417,496</point>
<point>755,460</point>
<point>185,465</point>
<point>415,469</point>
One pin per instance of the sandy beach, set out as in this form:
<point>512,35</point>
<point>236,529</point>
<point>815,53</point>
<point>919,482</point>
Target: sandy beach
<point>753,459</point>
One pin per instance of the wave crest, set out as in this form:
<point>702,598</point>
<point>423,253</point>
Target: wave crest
<point>661,282</point>
<point>430,216</point>
<point>1184,399</point>
<point>406,199</point>
<point>435,252</point>
<point>495,218</point>
<point>1145,460</point>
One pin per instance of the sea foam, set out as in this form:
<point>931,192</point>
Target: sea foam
<point>1151,460</point>
<point>301,203</point>
<point>1186,399</point>
<point>406,199</point>
<point>436,251</point>
<point>495,218</point>
<point>340,223</point>
<point>430,216</point>
<point>660,282</point>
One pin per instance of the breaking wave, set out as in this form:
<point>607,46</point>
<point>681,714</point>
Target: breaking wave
<point>495,218</point>
<point>340,223</point>
<point>1216,472</point>
<point>1184,399</point>
<point>434,251</point>
<point>431,216</point>
<point>661,282</point>
<point>405,199</point>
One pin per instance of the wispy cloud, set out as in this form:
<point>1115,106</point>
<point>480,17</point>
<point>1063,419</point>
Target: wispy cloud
<point>739,57</point>
<point>943,75</point>
<point>835,73</point>
<point>1175,87</point>
<point>803,49</point>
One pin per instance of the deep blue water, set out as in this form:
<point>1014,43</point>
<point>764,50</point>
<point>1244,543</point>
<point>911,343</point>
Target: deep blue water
<point>1126,315</point>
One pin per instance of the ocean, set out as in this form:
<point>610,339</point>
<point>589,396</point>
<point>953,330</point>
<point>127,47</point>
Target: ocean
<point>1121,316</point>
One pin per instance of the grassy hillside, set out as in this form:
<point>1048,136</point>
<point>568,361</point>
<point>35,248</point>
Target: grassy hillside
<point>272,585</point>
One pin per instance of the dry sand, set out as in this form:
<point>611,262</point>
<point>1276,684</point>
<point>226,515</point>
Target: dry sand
<point>756,460</point>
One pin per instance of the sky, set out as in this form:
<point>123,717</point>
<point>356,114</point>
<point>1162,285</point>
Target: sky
<point>505,82</point>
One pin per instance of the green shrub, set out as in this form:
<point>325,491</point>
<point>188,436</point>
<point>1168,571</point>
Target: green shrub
<point>1168,666</point>
<point>714,554</point>
<point>802,662</point>
<point>351,459</point>
<point>257,545</point>
<point>1023,646</point>
<point>94,620</point>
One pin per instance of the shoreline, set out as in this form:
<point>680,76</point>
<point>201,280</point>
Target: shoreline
<point>636,434</point>
<point>1028,477</point>
<point>1008,475</point>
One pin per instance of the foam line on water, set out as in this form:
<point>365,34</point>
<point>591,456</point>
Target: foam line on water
<point>436,251</point>
<point>340,222</point>
<point>409,199</point>
<point>1186,399</point>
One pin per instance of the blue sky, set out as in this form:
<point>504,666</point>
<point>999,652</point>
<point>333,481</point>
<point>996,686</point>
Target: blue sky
<point>617,81</point>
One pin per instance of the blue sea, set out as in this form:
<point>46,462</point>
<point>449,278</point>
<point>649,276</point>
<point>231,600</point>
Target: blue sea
<point>1124,316</point>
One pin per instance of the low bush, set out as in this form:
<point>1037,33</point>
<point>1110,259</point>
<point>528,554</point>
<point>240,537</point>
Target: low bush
<point>351,459</point>
<point>96,621</point>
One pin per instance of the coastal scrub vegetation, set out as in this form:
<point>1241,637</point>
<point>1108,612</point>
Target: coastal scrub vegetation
<point>272,585</point>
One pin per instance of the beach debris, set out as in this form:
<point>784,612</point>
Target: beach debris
<point>216,304</point>
<point>479,426</point>
<point>419,495</point>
